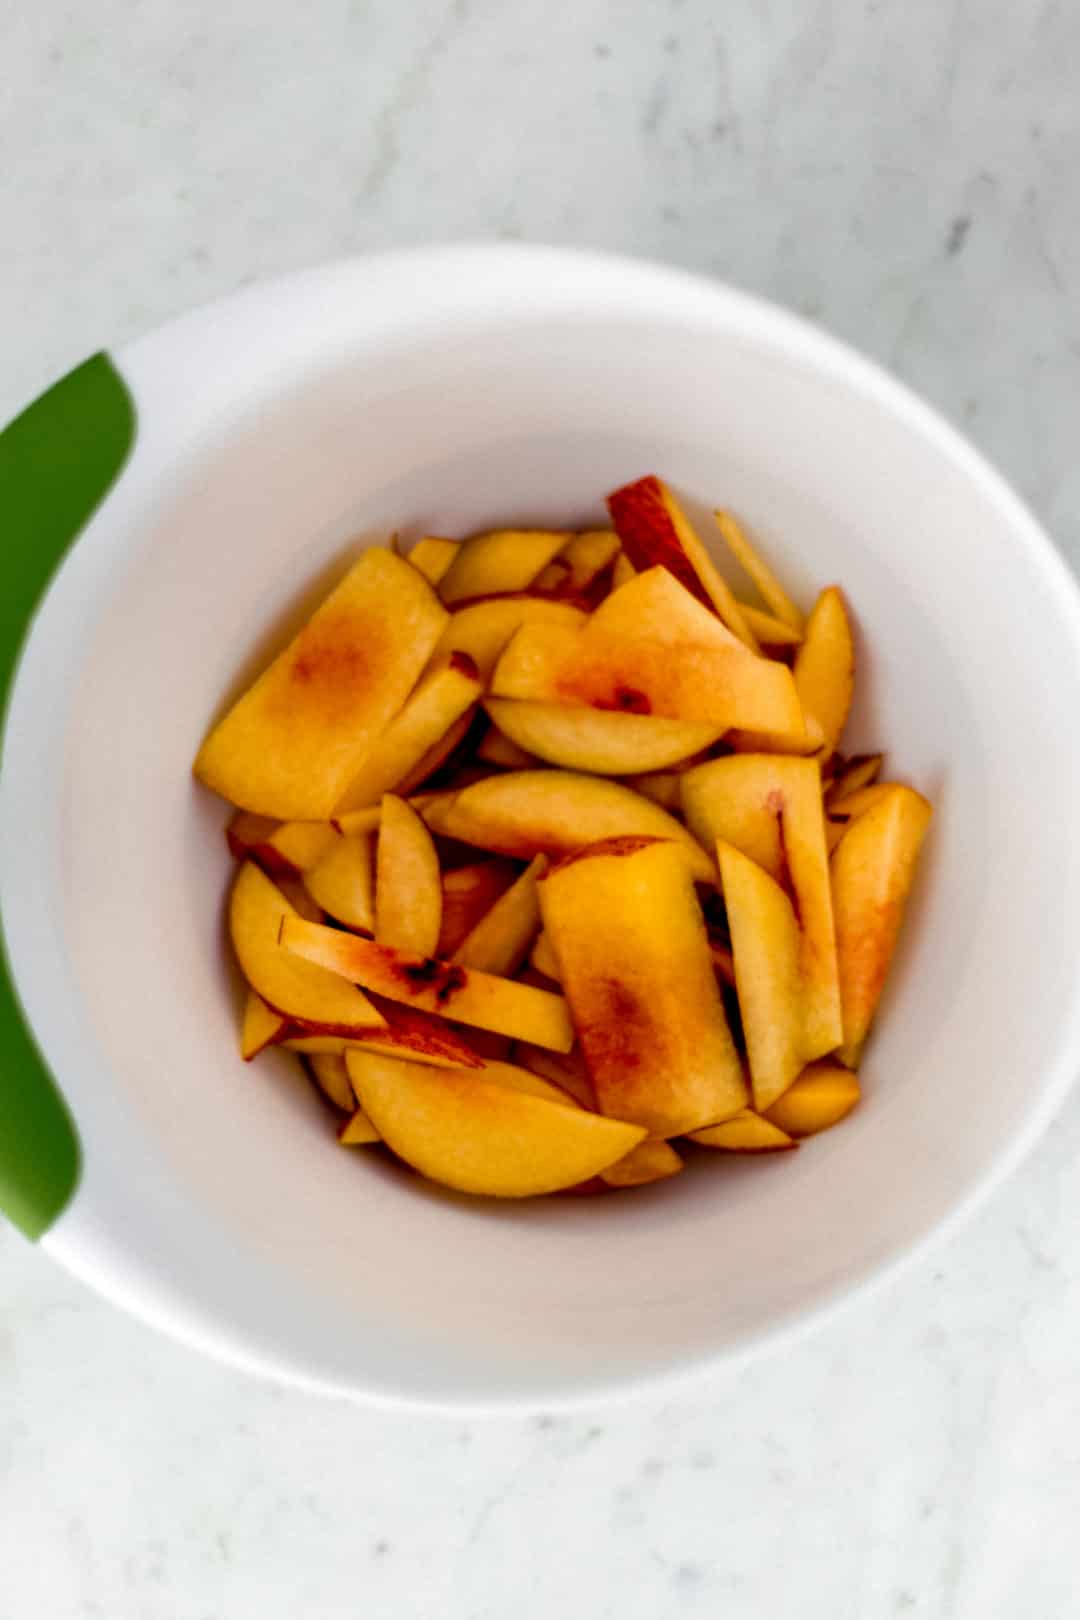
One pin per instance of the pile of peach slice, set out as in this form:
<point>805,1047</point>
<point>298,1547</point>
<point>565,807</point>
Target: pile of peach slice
<point>549,860</point>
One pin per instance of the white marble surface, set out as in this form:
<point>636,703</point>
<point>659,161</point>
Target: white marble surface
<point>903,171</point>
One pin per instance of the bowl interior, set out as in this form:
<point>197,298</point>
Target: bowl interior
<point>242,1222</point>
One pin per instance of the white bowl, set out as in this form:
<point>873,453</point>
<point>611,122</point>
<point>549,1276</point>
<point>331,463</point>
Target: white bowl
<point>447,390</point>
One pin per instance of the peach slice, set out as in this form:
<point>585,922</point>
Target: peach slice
<point>257,912</point>
<point>718,686</point>
<point>282,848</point>
<point>653,528</point>
<point>261,1027</point>
<point>500,1005</point>
<point>433,556</point>
<point>765,945</point>
<point>436,756</point>
<point>358,1131</point>
<point>653,606</point>
<point>825,666</point>
<point>332,1078</point>
<point>745,1133</point>
<point>342,883</point>
<point>662,787</point>
<point>753,564</point>
<point>843,811</point>
<point>633,956</point>
<point>811,740</point>
<point>770,808</point>
<point>246,835</point>
<point>467,893</point>
<point>483,629</point>
<point>504,560</point>
<point>408,884</point>
<point>623,571</point>
<point>501,939</point>
<point>544,960</point>
<point>770,631</point>
<point>296,739</point>
<point>823,1095</point>
<point>579,564</point>
<point>442,699</point>
<point>482,1136</point>
<point>420,1037</point>
<point>564,1069</point>
<point>652,1160</point>
<point>527,813</point>
<point>593,740</point>
<point>872,873</point>
<point>860,771</point>
<point>497,749</point>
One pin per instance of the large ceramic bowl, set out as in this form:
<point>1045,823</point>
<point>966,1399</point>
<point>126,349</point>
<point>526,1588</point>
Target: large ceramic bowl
<point>168,511</point>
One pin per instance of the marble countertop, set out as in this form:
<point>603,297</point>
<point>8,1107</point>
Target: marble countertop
<point>907,180</point>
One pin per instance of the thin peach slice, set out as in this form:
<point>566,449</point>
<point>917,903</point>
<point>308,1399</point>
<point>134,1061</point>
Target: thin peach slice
<point>607,744</point>
<point>745,1133</point>
<point>501,1005</point>
<point>823,1095</point>
<point>482,1136</point>
<point>327,1005</point>
<point>653,528</point>
<point>825,666</point>
<point>629,938</point>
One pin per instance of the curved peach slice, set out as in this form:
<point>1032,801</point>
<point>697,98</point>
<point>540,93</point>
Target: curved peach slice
<point>500,941</point>
<point>605,743</point>
<point>342,882</point>
<point>261,1027</point>
<point>296,739</point>
<point>825,666</point>
<point>652,1160</point>
<point>872,872</point>
<point>527,813</point>
<point>470,997</point>
<point>771,632</point>
<point>417,1036</point>
<point>633,956</point>
<point>358,1131</point>
<point>579,564</point>
<point>433,556</point>
<point>757,569</point>
<point>662,787</point>
<point>823,1095</point>
<point>653,606</point>
<point>332,1078</point>
<point>745,1133</point>
<point>468,892</point>
<point>770,808</point>
<point>257,913</point>
<point>483,629</point>
<point>408,885</point>
<point>765,944</point>
<point>439,703</point>
<point>504,560</point>
<point>497,749</point>
<point>860,771</point>
<point>544,960</point>
<point>653,528</point>
<point>564,1069</point>
<point>850,806</point>
<point>623,572</point>
<point>714,685</point>
<point>483,1136</point>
